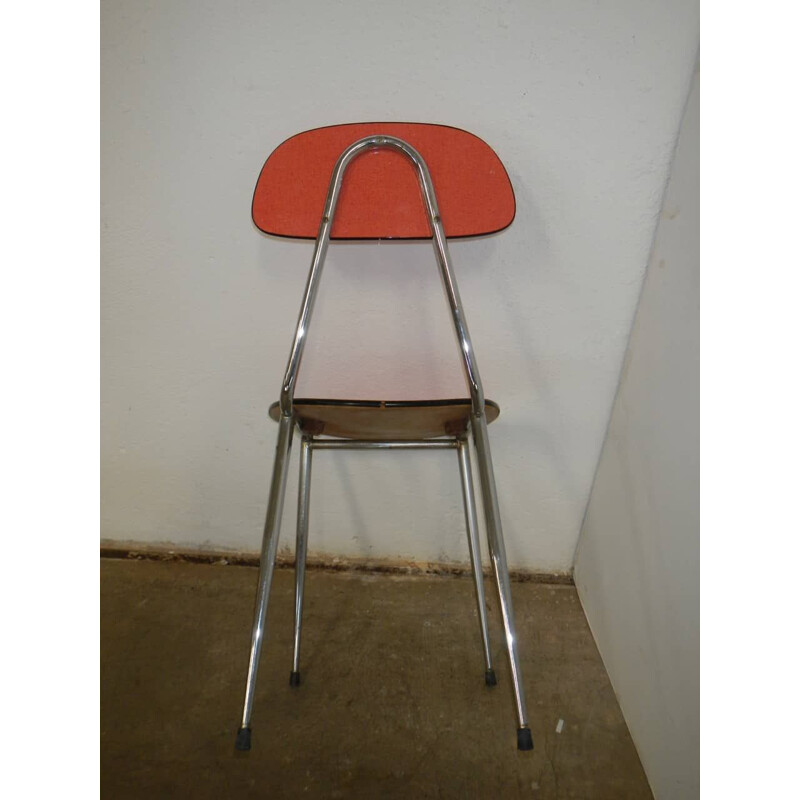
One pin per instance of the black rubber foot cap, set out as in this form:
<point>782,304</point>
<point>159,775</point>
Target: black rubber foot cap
<point>524,739</point>
<point>294,679</point>
<point>491,678</point>
<point>243,739</point>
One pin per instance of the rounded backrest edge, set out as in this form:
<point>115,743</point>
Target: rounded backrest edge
<point>380,196</point>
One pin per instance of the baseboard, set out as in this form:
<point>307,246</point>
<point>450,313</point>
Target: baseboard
<point>143,551</point>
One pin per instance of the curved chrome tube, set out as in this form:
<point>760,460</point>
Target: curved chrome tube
<point>442,258</point>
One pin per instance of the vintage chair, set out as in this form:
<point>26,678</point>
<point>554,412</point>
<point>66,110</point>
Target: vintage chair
<point>297,195</point>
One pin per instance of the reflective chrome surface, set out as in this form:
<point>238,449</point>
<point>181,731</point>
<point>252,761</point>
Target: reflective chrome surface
<point>465,467</point>
<point>301,547</point>
<point>269,548</point>
<point>477,425</point>
<point>497,551</point>
<point>442,258</point>
<point>370,444</point>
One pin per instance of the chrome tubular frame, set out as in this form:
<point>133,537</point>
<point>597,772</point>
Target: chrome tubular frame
<point>301,549</point>
<point>471,517</point>
<point>497,552</point>
<point>442,259</point>
<point>269,549</point>
<point>309,444</point>
<point>370,444</point>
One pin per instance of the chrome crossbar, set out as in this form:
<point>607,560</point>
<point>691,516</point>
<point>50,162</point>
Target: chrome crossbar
<point>394,444</point>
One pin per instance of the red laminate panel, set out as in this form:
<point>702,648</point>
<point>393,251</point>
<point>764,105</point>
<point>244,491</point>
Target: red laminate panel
<point>380,197</point>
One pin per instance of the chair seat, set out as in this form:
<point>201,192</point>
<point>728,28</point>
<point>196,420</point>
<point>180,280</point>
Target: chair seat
<point>384,420</point>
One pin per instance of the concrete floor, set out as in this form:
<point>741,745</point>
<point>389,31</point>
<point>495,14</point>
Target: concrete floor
<point>393,702</point>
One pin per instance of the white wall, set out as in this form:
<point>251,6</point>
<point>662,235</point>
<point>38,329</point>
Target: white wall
<point>637,564</point>
<point>581,100</point>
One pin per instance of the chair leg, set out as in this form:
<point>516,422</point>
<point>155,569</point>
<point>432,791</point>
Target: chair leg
<point>301,550</point>
<point>470,514</point>
<point>269,549</point>
<point>498,554</point>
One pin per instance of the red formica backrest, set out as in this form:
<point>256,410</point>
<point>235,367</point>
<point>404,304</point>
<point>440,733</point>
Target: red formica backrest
<point>380,196</point>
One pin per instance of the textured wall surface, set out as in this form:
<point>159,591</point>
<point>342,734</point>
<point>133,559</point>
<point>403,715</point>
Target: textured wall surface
<point>637,566</point>
<point>582,101</point>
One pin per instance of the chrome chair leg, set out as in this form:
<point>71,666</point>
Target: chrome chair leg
<point>498,554</point>
<point>465,467</point>
<point>269,549</point>
<point>301,550</point>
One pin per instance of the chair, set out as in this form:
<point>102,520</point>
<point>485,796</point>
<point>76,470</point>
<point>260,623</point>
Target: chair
<point>300,193</point>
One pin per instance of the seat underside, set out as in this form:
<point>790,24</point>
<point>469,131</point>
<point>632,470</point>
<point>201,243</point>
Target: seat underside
<point>384,419</point>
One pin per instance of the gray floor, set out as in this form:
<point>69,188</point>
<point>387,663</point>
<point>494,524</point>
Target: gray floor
<point>393,701</point>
